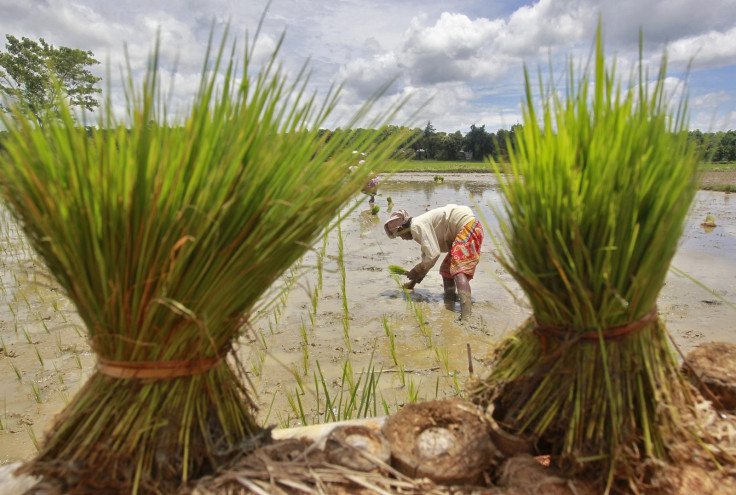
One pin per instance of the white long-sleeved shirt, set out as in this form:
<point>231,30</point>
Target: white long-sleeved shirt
<point>436,230</point>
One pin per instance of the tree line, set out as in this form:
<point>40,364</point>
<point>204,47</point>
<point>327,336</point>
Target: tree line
<point>35,72</point>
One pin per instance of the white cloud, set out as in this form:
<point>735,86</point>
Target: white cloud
<point>710,49</point>
<point>469,54</point>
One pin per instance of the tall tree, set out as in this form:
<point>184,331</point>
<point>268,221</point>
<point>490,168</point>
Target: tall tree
<point>479,141</point>
<point>35,72</point>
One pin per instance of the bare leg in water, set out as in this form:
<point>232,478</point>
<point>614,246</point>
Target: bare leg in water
<point>450,293</point>
<point>449,284</point>
<point>463,293</point>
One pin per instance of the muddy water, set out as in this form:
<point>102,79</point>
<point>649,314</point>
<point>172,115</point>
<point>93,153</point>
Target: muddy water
<point>302,346</point>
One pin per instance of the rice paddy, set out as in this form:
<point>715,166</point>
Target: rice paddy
<point>298,358</point>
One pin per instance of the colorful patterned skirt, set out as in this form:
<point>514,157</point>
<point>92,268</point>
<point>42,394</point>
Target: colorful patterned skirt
<point>464,254</point>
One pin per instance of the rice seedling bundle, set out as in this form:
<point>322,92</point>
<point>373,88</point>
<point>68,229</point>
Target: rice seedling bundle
<point>166,232</point>
<point>595,200</point>
<point>397,270</point>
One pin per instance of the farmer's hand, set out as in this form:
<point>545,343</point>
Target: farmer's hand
<point>409,285</point>
<point>414,276</point>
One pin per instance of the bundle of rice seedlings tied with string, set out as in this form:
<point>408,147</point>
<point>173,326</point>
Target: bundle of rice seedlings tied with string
<point>595,198</point>
<point>166,232</point>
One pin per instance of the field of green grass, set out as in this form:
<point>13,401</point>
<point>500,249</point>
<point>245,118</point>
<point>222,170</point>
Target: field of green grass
<point>440,166</point>
<point>484,166</point>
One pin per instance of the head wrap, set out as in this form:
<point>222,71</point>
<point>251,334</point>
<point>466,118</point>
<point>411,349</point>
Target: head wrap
<point>395,221</point>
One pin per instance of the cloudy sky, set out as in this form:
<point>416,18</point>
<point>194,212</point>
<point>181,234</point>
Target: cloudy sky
<point>466,55</point>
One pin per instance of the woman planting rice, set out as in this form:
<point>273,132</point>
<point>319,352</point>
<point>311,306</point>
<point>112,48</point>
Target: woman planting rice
<point>371,189</point>
<point>451,229</point>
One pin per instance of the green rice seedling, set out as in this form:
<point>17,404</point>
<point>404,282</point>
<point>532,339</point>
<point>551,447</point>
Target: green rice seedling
<point>314,300</point>
<point>4,347</point>
<point>38,354</point>
<point>28,337</point>
<point>297,377</point>
<point>268,413</point>
<point>166,232</point>
<point>417,312</point>
<point>303,333</point>
<point>384,405</point>
<point>597,191</point>
<point>329,411</point>
<point>17,372</point>
<point>391,341</point>
<point>412,390</point>
<point>59,375</point>
<point>320,262</point>
<point>456,383</point>
<point>263,340</point>
<point>283,422</point>
<point>343,288</point>
<point>375,209</point>
<point>77,360</point>
<point>43,323</point>
<point>32,436</point>
<point>296,406</point>
<point>35,392</point>
<point>397,270</point>
<point>443,357</point>
<point>257,359</point>
<point>389,200</point>
<point>419,315</point>
<point>305,359</point>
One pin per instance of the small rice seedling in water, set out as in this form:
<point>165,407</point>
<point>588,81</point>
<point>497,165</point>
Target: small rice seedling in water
<point>77,360</point>
<point>375,209</point>
<point>391,341</point>
<point>297,377</point>
<point>35,392</point>
<point>165,231</point>
<point>305,359</point>
<point>32,436</point>
<point>596,194</point>
<point>268,413</point>
<point>412,390</point>
<point>38,354</point>
<point>17,372</point>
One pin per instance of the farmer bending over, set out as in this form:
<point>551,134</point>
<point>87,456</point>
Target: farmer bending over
<point>451,229</point>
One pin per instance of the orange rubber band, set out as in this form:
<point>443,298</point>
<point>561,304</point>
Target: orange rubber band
<point>157,370</point>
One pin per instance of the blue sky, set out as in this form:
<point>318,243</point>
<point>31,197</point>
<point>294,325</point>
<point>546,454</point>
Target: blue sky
<point>467,56</point>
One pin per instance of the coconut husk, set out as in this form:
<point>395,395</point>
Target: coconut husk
<point>712,369</point>
<point>446,441</point>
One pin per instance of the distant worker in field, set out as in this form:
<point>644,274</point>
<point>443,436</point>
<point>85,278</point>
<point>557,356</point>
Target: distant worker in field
<point>371,189</point>
<point>451,229</point>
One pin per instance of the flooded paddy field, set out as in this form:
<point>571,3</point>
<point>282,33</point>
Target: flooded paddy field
<point>341,338</point>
